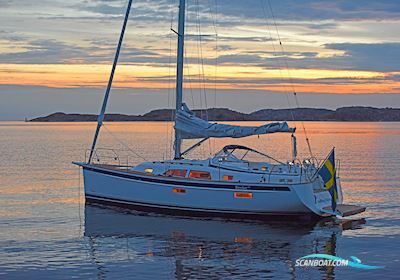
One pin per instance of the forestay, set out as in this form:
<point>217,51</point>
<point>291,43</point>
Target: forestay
<point>192,127</point>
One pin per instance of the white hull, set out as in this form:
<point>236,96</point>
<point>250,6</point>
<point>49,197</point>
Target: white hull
<point>141,190</point>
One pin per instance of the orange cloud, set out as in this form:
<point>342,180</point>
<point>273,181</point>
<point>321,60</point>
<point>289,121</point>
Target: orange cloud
<point>153,76</point>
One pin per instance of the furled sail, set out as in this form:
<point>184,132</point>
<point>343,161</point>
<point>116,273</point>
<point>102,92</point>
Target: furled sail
<point>192,127</point>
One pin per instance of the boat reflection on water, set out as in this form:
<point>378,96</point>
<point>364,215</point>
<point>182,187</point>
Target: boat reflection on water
<point>161,246</point>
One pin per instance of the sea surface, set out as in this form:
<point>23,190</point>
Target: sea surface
<point>47,231</point>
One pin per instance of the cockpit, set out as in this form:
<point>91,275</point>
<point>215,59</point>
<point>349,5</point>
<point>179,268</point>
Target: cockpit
<point>242,157</point>
<point>238,153</point>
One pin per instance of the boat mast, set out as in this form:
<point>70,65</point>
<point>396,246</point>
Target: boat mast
<point>179,74</point>
<point>110,81</point>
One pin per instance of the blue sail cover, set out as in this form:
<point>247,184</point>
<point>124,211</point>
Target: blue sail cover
<point>192,127</point>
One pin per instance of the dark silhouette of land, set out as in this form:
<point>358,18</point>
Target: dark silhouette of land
<point>355,114</point>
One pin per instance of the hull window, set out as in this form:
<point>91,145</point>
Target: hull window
<point>200,175</point>
<point>176,173</point>
<point>243,195</point>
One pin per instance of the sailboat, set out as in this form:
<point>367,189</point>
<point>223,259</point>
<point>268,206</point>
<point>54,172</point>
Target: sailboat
<point>227,184</point>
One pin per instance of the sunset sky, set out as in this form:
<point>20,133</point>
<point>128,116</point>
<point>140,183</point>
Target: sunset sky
<point>56,55</point>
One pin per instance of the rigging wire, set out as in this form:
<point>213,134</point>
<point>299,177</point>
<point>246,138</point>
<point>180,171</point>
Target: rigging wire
<point>202,80</point>
<point>214,22</point>
<point>168,142</point>
<point>279,65</point>
<point>271,39</point>
<point>201,59</point>
<point>214,18</point>
<point>123,143</point>
<point>289,75</point>
<point>189,79</point>
<point>200,62</point>
<point>187,76</point>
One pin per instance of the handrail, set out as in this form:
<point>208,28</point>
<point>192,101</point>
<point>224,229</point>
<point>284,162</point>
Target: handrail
<point>97,156</point>
<point>109,155</point>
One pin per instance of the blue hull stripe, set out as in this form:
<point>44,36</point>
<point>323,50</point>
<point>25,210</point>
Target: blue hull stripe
<point>92,197</point>
<point>238,187</point>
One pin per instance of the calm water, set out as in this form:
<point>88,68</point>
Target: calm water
<point>47,231</point>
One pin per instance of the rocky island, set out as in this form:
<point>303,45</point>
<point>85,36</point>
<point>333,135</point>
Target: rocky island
<point>351,114</point>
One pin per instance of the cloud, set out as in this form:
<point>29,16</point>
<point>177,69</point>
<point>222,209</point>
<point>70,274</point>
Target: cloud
<point>43,51</point>
<point>5,3</point>
<point>47,51</point>
<point>376,57</point>
<point>333,35</point>
<point>105,9</point>
<point>313,9</point>
<point>383,57</point>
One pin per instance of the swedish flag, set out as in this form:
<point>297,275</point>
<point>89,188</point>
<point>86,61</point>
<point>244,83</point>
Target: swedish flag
<point>328,174</point>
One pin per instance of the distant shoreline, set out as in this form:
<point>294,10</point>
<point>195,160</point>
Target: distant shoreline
<point>345,114</point>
